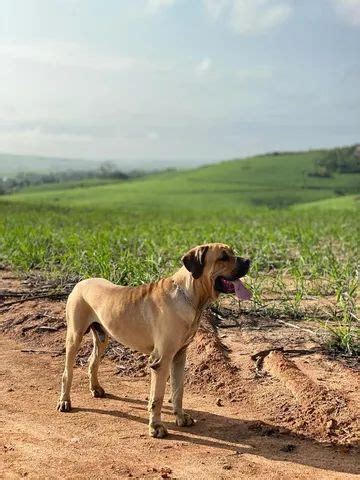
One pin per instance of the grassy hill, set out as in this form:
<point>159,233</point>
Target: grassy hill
<point>274,180</point>
<point>347,202</point>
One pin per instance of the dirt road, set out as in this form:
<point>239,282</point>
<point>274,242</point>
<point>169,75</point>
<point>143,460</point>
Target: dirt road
<point>107,438</point>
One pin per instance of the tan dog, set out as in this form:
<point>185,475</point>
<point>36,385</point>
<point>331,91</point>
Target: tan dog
<point>159,319</point>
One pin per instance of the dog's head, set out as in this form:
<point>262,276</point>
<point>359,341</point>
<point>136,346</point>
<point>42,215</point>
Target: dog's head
<point>217,266</point>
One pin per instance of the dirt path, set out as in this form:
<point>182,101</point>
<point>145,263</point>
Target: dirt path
<point>107,438</point>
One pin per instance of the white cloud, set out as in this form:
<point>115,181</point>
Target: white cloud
<point>152,136</point>
<point>62,54</point>
<point>215,8</point>
<point>250,17</point>
<point>254,74</point>
<point>153,6</point>
<point>203,66</point>
<point>349,10</point>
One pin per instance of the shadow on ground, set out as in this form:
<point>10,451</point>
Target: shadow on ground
<point>243,436</point>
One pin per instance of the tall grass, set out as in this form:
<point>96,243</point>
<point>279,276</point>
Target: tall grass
<point>295,255</point>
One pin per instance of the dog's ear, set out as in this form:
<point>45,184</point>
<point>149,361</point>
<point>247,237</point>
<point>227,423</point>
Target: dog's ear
<point>194,260</point>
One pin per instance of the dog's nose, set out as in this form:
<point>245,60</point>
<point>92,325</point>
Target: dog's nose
<point>243,266</point>
<point>247,262</point>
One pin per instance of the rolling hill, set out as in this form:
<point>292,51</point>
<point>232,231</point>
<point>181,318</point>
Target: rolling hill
<point>273,180</point>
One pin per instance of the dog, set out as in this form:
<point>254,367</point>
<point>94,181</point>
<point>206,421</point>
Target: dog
<point>159,319</point>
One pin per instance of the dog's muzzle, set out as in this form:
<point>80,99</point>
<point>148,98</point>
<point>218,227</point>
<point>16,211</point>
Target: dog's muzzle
<point>242,266</point>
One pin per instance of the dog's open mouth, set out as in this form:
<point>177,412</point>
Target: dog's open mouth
<point>232,286</point>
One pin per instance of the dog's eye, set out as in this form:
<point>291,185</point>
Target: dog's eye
<point>224,257</point>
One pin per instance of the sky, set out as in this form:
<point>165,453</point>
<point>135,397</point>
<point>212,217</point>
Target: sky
<point>178,80</point>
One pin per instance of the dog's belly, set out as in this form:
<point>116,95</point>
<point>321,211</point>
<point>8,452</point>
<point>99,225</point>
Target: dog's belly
<point>136,341</point>
<point>129,329</point>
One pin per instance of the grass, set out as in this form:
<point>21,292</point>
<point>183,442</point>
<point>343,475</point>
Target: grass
<point>69,185</point>
<point>135,232</point>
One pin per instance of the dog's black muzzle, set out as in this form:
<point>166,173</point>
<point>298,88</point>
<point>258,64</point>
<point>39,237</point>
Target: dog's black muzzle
<point>241,269</point>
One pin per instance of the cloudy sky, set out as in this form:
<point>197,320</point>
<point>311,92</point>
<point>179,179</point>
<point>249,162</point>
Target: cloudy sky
<point>178,79</point>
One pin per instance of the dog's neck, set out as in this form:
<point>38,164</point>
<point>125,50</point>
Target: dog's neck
<point>193,290</point>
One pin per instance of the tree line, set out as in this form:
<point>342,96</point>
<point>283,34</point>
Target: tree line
<point>338,160</point>
<point>107,170</point>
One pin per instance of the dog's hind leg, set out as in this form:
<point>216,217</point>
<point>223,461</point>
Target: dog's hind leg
<point>100,339</point>
<point>73,340</point>
<point>77,312</point>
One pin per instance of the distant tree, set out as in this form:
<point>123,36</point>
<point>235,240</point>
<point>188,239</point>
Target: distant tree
<point>338,160</point>
<point>107,168</point>
<point>26,179</point>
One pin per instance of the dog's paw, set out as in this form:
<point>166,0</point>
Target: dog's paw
<point>184,420</point>
<point>157,430</point>
<point>63,406</point>
<point>98,392</point>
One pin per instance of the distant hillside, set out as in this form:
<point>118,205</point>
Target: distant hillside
<point>273,180</point>
<point>13,164</point>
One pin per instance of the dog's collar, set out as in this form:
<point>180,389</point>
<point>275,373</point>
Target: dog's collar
<point>184,295</point>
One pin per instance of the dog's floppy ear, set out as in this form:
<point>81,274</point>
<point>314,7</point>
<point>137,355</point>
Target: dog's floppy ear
<point>194,260</point>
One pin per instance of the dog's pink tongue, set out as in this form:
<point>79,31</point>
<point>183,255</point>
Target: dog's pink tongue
<point>241,291</point>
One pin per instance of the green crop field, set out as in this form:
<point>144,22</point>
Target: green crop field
<point>299,230</point>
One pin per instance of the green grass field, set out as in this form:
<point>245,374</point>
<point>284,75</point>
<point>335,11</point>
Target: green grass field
<point>136,231</point>
<point>348,202</point>
<point>270,180</point>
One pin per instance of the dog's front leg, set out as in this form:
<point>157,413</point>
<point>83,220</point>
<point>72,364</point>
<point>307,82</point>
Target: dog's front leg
<point>177,389</point>
<point>159,365</point>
